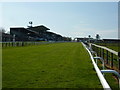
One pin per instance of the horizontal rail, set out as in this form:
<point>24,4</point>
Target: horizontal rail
<point>15,44</point>
<point>110,50</point>
<point>111,71</point>
<point>100,75</point>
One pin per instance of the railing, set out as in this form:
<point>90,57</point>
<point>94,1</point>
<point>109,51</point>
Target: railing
<point>100,75</point>
<point>25,43</point>
<point>17,44</point>
<point>111,58</point>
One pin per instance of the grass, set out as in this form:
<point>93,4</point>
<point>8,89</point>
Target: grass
<point>58,65</point>
<point>113,46</point>
<point>111,79</point>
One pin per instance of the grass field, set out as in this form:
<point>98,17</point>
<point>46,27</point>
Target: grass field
<point>58,65</point>
<point>111,79</point>
<point>113,46</point>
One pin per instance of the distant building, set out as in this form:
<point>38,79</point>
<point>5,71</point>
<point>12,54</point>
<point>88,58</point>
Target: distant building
<point>36,33</point>
<point>23,34</point>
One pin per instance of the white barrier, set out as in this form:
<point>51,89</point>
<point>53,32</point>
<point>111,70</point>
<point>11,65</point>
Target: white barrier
<point>110,50</point>
<point>100,75</point>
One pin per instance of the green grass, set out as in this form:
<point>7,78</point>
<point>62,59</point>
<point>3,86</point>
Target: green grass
<point>113,46</point>
<point>111,79</point>
<point>59,65</point>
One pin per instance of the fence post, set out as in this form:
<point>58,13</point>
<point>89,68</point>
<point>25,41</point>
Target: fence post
<point>9,44</point>
<point>119,64</point>
<point>111,60</point>
<point>22,43</point>
<point>12,44</point>
<point>2,44</point>
<point>100,52</point>
<point>97,50</point>
<point>103,53</point>
<point>6,44</point>
<point>17,44</point>
<point>106,56</point>
<point>119,60</point>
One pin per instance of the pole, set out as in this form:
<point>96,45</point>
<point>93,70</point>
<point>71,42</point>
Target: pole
<point>14,38</point>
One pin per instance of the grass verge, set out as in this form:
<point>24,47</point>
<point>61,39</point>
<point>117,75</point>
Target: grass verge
<point>59,65</point>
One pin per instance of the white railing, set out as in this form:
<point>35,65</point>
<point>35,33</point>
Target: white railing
<point>100,75</point>
<point>15,44</point>
<point>110,50</point>
<point>111,57</point>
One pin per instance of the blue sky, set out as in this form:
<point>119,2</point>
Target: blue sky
<point>71,19</point>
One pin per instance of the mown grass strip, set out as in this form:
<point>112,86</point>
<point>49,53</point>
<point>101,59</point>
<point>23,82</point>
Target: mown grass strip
<point>59,65</point>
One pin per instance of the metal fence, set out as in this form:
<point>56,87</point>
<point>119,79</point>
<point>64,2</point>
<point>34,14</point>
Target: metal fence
<point>111,57</point>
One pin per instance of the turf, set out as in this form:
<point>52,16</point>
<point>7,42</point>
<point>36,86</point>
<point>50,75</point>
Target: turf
<point>113,46</point>
<point>58,65</point>
<point>116,48</point>
<point>110,78</point>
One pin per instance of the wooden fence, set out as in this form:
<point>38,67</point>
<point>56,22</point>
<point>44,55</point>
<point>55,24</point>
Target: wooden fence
<point>111,57</point>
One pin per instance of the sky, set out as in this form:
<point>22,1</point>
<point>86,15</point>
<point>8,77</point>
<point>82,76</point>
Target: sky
<point>70,19</point>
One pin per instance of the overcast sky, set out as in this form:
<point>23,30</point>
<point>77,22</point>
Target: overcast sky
<point>71,19</point>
